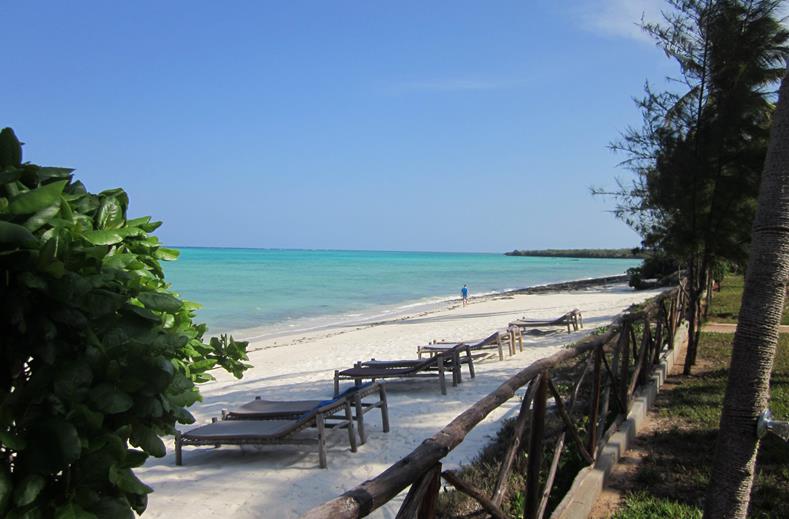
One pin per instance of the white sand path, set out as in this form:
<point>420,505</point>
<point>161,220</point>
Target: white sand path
<point>285,481</point>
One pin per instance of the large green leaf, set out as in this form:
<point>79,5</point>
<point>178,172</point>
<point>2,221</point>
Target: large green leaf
<point>73,380</point>
<point>48,173</point>
<point>146,439</point>
<point>43,217</point>
<point>118,194</point>
<point>36,199</point>
<point>12,441</point>
<point>6,490</point>
<point>29,489</point>
<point>125,479</point>
<point>109,399</point>
<point>110,214</point>
<point>16,234</point>
<point>10,175</point>
<point>112,508</point>
<point>10,149</point>
<point>139,502</point>
<point>72,511</point>
<point>167,254</point>
<point>144,223</point>
<point>134,458</point>
<point>53,444</point>
<point>160,301</point>
<point>103,237</point>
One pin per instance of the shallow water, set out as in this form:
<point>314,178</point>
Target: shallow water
<point>252,288</point>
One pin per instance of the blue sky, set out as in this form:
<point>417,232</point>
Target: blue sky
<point>409,125</point>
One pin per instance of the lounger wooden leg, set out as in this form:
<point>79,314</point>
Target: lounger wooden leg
<point>441,378</point>
<point>357,381</point>
<point>501,351</point>
<point>321,441</point>
<point>213,420</point>
<point>456,360</point>
<point>178,447</point>
<point>384,408</point>
<point>336,383</point>
<point>357,400</point>
<point>455,374</point>
<point>520,338</point>
<point>470,363</point>
<point>351,430</point>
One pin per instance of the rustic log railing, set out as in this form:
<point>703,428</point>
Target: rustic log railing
<point>613,382</point>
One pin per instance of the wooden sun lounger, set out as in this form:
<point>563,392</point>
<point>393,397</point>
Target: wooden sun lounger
<point>259,409</point>
<point>454,357</point>
<point>496,340</point>
<point>280,431</point>
<point>573,320</point>
<point>434,366</point>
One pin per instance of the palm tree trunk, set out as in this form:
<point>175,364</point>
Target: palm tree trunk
<point>747,391</point>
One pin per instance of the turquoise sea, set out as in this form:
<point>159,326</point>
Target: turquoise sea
<point>247,289</point>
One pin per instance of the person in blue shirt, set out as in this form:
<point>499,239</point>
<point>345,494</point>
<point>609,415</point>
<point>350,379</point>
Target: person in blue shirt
<point>464,294</point>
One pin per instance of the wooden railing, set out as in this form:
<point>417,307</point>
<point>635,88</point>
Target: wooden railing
<point>618,360</point>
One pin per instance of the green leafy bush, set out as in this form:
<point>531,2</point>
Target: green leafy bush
<point>98,359</point>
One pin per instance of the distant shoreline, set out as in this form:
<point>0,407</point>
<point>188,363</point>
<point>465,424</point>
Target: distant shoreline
<point>579,253</point>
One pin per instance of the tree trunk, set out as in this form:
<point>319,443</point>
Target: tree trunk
<point>694,302</point>
<point>747,391</point>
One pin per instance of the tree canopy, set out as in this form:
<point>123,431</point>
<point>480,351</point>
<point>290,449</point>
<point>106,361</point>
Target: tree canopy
<point>698,155</point>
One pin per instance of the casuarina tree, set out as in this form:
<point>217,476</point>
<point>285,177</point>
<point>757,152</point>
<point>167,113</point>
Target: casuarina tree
<point>698,156</point>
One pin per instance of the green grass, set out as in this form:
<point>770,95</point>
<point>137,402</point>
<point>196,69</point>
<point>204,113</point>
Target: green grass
<point>641,505</point>
<point>680,452</point>
<point>725,307</point>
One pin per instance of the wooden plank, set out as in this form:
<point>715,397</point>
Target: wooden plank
<point>568,422</point>
<point>430,501</point>
<point>534,463</point>
<point>517,435</point>
<point>624,367</point>
<point>413,500</point>
<point>597,382</point>
<point>640,364</point>
<point>546,493</point>
<point>474,493</point>
<point>615,386</point>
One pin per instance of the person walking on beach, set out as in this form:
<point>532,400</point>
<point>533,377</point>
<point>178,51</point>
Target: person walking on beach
<point>464,294</point>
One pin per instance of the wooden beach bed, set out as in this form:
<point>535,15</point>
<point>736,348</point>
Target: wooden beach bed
<point>281,429</point>
<point>497,340</point>
<point>259,409</point>
<point>435,366</point>
<point>573,320</point>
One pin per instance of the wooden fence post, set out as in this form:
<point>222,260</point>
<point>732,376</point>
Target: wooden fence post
<point>624,368</point>
<point>517,435</point>
<point>595,406</point>
<point>535,450</point>
<point>420,501</point>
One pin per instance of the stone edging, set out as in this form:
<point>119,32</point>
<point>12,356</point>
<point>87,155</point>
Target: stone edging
<point>589,483</point>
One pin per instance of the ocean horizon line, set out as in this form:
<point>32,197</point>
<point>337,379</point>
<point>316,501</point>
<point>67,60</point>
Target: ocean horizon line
<point>316,249</point>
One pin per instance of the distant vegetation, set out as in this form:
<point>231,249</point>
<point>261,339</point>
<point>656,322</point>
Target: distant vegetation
<point>581,253</point>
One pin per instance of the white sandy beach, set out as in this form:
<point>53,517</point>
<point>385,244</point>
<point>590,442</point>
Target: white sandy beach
<point>285,481</point>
